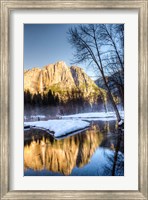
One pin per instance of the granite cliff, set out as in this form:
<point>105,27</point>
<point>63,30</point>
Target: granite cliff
<point>63,81</point>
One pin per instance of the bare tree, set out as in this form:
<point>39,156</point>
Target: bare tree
<point>89,41</point>
<point>113,35</point>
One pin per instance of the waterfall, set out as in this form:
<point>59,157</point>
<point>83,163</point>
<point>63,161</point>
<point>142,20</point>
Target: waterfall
<point>41,83</point>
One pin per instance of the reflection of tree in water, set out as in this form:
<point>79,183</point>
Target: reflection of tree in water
<point>115,160</point>
<point>118,164</point>
<point>62,155</point>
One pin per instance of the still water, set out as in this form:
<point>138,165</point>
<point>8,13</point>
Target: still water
<point>97,151</point>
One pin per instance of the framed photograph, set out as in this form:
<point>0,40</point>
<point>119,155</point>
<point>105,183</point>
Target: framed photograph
<point>74,99</point>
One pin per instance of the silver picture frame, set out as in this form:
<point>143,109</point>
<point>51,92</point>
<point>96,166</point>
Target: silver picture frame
<point>142,7</point>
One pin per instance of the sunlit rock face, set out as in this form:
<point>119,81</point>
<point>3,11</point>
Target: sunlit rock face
<point>39,80</point>
<point>62,155</point>
<point>62,80</point>
<point>82,81</point>
<point>31,79</point>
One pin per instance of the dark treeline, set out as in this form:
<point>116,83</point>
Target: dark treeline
<point>41,100</point>
<point>74,99</point>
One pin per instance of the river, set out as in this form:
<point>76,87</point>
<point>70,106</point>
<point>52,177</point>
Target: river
<point>97,151</point>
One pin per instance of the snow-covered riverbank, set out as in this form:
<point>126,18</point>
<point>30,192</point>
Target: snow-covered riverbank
<point>71,123</point>
<point>101,116</point>
<point>59,127</point>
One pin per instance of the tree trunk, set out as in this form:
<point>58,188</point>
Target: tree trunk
<point>111,99</point>
<point>105,107</point>
<point>121,91</point>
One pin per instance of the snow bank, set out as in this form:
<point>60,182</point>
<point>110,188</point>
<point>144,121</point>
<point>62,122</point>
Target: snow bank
<point>59,127</point>
<point>38,116</point>
<point>34,117</point>
<point>102,116</point>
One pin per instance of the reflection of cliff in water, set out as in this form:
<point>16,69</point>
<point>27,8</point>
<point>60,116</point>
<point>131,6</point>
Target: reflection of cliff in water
<point>62,155</point>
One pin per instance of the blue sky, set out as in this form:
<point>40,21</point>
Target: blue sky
<point>46,44</point>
